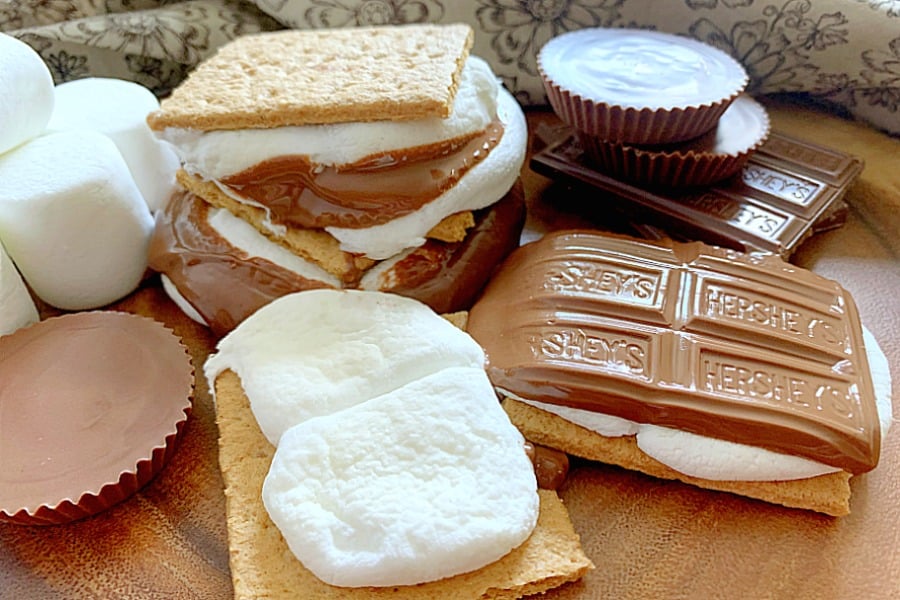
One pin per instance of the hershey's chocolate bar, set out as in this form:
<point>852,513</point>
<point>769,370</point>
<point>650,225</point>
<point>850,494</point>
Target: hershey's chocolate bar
<point>743,347</point>
<point>789,190</point>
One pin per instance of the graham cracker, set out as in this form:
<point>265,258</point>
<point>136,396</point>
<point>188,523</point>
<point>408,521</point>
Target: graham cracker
<point>453,228</point>
<point>315,245</point>
<point>303,77</point>
<point>829,494</point>
<point>262,565</point>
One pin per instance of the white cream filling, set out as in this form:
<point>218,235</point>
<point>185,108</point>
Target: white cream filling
<point>212,156</point>
<point>720,460</point>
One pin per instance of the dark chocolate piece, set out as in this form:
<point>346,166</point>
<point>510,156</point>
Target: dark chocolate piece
<point>788,190</point>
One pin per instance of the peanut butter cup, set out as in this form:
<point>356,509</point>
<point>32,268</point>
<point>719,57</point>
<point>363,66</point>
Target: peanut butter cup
<point>638,87</point>
<point>709,158</point>
<point>91,405</point>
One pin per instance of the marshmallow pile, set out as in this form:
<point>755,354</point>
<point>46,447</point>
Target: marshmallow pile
<point>80,176</point>
<point>394,462</point>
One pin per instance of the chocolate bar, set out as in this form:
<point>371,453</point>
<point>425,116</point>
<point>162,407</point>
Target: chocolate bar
<point>743,347</point>
<point>788,190</point>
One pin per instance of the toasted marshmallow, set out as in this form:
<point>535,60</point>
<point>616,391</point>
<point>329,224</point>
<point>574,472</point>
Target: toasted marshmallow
<point>119,109</point>
<point>73,220</point>
<point>16,306</point>
<point>722,460</point>
<point>316,352</point>
<point>424,482</point>
<point>26,87</point>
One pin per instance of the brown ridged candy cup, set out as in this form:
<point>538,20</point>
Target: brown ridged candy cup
<point>634,86</point>
<point>91,406</point>
<point>714,156</point>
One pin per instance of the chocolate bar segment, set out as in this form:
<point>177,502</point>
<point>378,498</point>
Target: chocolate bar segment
<point>742,347</point>
<point>788,190</point>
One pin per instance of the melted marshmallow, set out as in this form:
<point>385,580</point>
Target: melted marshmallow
<point>479,100</point>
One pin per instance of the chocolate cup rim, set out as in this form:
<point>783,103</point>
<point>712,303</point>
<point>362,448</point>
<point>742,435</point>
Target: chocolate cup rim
<point>692,153</point>
<point>693,119</point>
<point>104,496</point>
<point>675,167</point>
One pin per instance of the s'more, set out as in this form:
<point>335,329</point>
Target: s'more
<point>365,455</point>
<point>379,158</point>
<point>729,371</point>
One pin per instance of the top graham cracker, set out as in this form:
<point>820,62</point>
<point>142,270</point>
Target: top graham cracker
<point>307,77</point>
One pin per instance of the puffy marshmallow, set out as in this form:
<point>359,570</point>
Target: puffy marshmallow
<point>481,186</point>
<point>119,109</point>
<point>427,481</point>
<point>16,306</point>
<point>73,220</point>
<point>315,352</point>
<point>26,87</point>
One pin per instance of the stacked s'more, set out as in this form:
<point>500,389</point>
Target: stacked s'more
<point>382,158</point>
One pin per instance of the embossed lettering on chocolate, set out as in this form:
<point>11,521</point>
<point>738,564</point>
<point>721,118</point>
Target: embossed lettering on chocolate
<point>742,347</point>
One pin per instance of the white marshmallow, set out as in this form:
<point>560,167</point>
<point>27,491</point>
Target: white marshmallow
<point>16,306</point>
<point>73,220</point>
<point>315,352</point>
<point>216,154</point>
<point>483,185</point>
<point>119,109</point>
<point>427,481</point>
<point>244,236</point>
<point>605,425</point>
<point>721,460</point>
<point>26,89</point>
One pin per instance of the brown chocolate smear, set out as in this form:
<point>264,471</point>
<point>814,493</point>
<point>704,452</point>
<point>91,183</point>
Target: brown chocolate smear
<point>375,190</point>
<point>226,285</point>
<point>448,276</point>
<point>223,283</point>
<point>745,348</point>
<point>551,466</point>
<point>85,398</point>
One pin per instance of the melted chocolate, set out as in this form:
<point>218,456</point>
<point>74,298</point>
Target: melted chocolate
<point>740,347</point>
<point>300,193</point>
<point>226,285</point>
<point>448,276</point>
<point>223,283</point>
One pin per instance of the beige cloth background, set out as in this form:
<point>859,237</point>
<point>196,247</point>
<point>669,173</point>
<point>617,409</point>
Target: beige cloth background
<point>842,52</point>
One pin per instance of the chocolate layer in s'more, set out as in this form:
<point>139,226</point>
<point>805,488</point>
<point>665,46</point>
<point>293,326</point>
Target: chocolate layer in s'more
<point>731,371</point>
<point>355,151</point>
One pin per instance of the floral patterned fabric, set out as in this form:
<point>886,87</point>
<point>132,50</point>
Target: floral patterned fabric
<point>846,52</point>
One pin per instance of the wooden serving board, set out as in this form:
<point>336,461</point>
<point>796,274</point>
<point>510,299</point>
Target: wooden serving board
<point>648,538</point>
